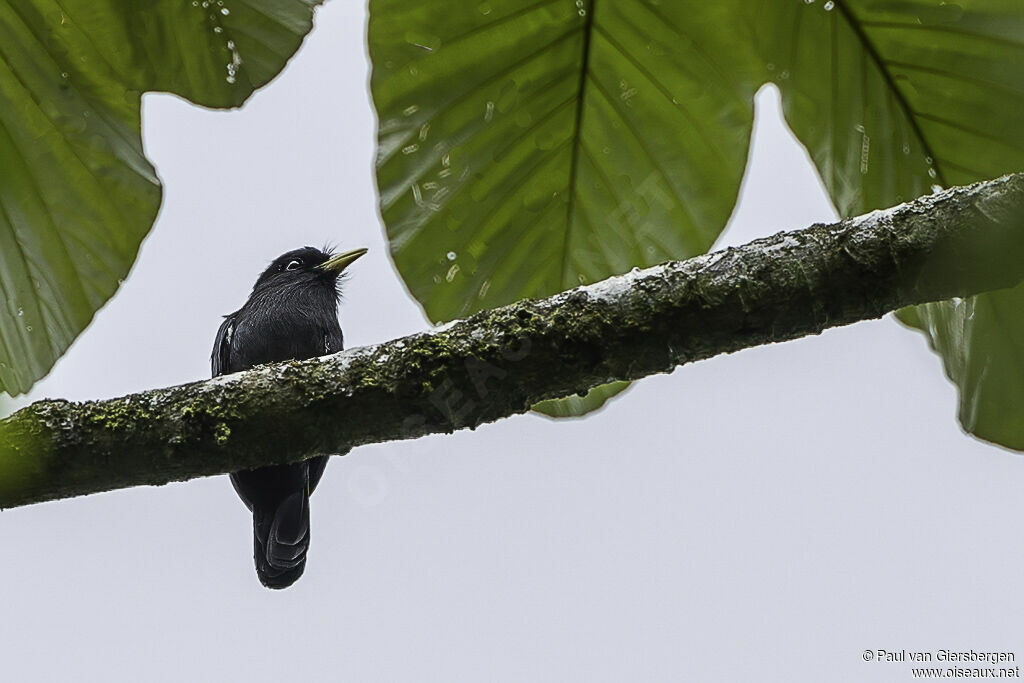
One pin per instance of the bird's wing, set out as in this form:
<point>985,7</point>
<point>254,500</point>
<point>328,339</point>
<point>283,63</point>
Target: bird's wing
<point>316,470</point>
<point>333,340</point>
<point>220,359</point>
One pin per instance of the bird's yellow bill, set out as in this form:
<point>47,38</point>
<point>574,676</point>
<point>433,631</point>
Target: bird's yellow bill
<point>338,263</point>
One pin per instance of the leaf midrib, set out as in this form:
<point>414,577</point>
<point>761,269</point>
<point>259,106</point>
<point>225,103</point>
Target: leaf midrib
<point>876,57</point>
<point>577,137</point>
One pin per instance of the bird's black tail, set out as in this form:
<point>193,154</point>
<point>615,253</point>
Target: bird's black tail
<point>281,539</point>
<point>279,499</point>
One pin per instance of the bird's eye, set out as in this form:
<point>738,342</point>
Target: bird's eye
<point>294,264</point>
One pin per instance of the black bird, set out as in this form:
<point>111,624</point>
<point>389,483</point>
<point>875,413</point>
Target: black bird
<point>292,314</point>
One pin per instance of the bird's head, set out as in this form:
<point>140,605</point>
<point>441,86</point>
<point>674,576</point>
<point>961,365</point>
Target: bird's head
<point>307,266</point>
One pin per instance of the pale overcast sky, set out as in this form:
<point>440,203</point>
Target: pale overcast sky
<point>767,515</point>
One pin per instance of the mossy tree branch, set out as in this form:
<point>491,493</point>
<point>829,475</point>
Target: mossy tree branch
<point>500,362</point>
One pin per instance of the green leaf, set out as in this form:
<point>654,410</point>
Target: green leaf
<point>980,343</point>
<point>528,147</point>
<point>77,194</point>
<point>892,97</point>
<point>577,406</point>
